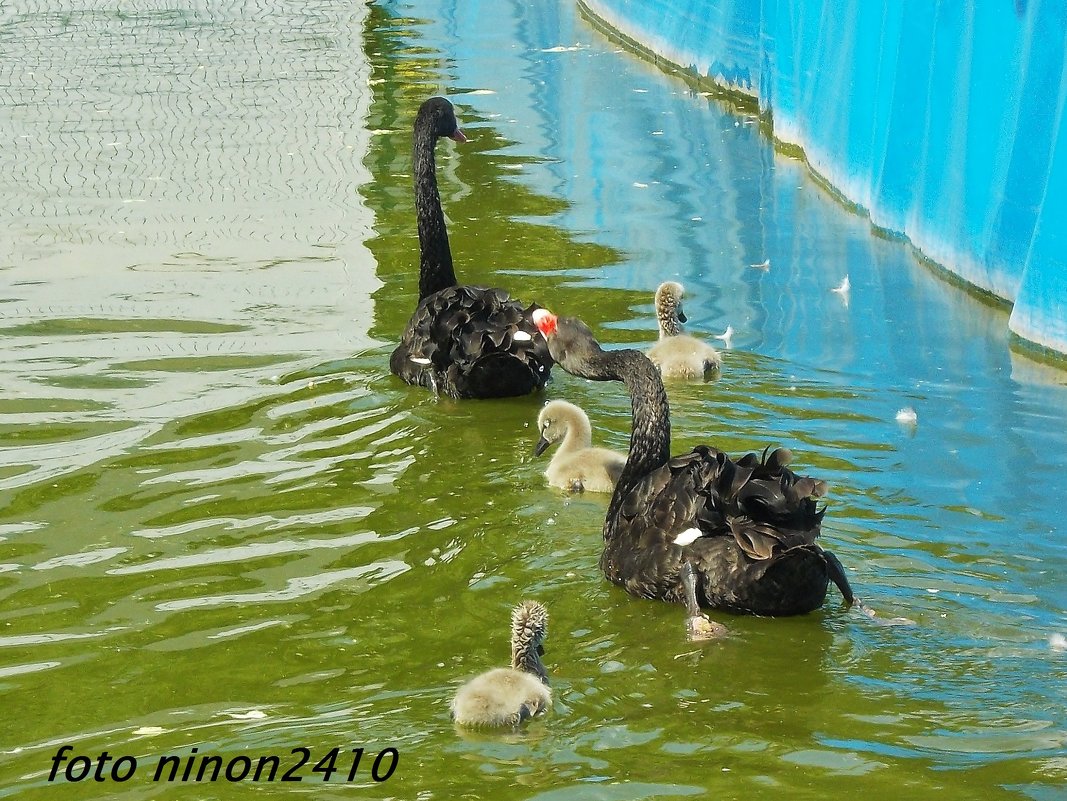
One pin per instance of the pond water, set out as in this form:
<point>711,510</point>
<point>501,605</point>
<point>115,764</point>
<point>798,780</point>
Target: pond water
<point>225,527</point>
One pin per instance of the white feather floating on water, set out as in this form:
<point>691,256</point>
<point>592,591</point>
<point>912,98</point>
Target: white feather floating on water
<point>907,416</point>
<point>726,336</point>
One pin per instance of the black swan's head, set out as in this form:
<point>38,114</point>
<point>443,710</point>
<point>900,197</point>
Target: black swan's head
<point>438,115</point>
<point>669,306</point>
<point>570,342</point>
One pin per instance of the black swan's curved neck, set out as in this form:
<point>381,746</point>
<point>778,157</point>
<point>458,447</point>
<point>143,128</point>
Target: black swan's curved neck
<point>650,435</point>
<point>435,257</point>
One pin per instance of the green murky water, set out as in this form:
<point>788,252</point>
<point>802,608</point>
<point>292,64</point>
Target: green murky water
<point>224,526</point>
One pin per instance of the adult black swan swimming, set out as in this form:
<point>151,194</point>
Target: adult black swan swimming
<point>739,535</point>
<point>462,341</point>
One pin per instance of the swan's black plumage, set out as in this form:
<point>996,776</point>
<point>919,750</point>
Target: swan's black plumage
<point>755,550</point>
<point>461,341</point>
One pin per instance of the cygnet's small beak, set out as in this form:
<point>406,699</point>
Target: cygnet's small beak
<point>542,445</point>
<point>681,316</point>
<point>459,136</point>
<point>540,650</point>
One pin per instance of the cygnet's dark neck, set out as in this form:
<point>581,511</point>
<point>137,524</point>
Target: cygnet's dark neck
<point>529,661</point>
<point>669,324</point>
<point>435,256</point>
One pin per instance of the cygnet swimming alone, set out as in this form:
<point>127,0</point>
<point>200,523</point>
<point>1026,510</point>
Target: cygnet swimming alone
<point>508,696</point>
<point>678,355</point>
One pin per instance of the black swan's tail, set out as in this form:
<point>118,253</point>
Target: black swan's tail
<point>500,375</point>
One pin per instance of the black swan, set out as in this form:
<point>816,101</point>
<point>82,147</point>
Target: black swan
<point>576,465</point>
<point>462,341</point>
<point>739,535</point>
<point>678,355</point>
<point>508,696</point>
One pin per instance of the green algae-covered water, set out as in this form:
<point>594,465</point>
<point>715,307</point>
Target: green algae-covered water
<point>227,531</point>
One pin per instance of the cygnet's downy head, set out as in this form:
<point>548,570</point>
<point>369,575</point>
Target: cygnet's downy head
<point>669,313</point>
<point>529,625</point>
<point>554,421</point>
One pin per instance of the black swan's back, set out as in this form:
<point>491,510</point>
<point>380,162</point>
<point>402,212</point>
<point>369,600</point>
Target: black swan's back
<point>748,527</point>
<point>461,341</point>
<point>470,342</point>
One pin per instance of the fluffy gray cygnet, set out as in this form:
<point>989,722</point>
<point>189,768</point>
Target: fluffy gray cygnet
<point>575,465</point>
<point>678,355</point>
<point>509,696</point>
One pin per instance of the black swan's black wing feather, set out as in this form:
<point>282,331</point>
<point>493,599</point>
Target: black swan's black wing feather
<point>470,342</point>
<point>757,523</point>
